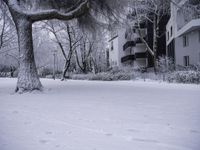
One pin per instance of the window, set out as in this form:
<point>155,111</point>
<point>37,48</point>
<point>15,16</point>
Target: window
<point>199,35</point>
<point>171,31</point>
<point>185,41</point>
<point>186,60</point>
<point>126,35</point>
<point>199,57</point>
<point>168,35</point>
<point>112,46</point>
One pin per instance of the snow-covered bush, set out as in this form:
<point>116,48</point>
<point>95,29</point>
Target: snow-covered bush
<point>184,77</point>
<point>104,76</point>
<point>109,76</point>
<point>43,72</point>
<point>165,64</point>
<point>7,71</point>
<point>195,67</point>
<point>112,75</point>
<point>80,76</point>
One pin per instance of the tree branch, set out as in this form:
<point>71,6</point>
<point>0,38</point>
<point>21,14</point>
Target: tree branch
<point>49,14</point>
<point>55,14</point>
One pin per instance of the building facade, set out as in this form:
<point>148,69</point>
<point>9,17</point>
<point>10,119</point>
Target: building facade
<point>126,48</point>
<point>183,32</point>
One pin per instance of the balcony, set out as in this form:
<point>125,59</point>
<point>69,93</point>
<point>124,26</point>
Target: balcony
<point>128,44</point>
<point>128,58</point>
<point>139,41</point>
<point>142,25</point>
<point>191,26</point>
<point>189,19</point>
<point>140,55</point>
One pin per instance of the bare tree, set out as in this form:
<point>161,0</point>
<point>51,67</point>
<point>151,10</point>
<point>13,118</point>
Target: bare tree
<point>8,41</point>
<point>7,31</point>
<point>84,54</point>
<point>26,12</point>
<point>99,61</point>
<point>66,38</point>
<point>151,11</point>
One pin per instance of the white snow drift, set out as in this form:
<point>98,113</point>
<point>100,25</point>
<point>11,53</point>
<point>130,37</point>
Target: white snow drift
<point>83,115</point>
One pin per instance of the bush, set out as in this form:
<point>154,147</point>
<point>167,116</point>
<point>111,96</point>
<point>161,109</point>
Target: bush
<point>112,75</point>
<point>109,76</point>
<point>125,73</point>
<point>195,67</point>
<point>8,71</point>
<point>165,65</point>
<point>45,72</point>
<point>80,76</point>
<point>184,77</point>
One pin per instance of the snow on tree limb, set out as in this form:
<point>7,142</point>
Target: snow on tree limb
<point>40,15</point>
<point>55,14</point>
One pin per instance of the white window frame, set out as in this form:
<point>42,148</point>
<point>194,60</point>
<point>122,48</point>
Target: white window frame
<point>185,40</point>
<point>186,60</point>
<point>112,46</point>
<point>199,57</point>
<point>199,35</point>
<point>168,35</point>
<point>171,31</point>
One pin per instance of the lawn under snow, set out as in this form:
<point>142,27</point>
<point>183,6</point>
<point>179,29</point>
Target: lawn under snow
<point>93,115</point>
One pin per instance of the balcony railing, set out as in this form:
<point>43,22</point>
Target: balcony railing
<point>140,55</point>
<point>128,58</point>
<point>142,25</point>
<point>128,44</point>
<point>133,57</point>
<point>139,41</point>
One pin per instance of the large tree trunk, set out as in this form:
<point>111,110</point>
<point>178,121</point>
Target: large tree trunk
<point>28,79</point>
<point>155,42</point>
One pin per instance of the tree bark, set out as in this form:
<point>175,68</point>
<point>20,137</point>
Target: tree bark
<point>66,67</point>
<point>28,79</point>
<point>155,42</point>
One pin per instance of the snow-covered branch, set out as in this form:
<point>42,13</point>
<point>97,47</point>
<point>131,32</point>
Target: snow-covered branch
<point>39,15</point>
<point>56,14</point>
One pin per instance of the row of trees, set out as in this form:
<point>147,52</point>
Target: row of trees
<point>74,49</point>
<point>72,42</point>
<point>25,12</point>
<point>79,49</point>
<point>8,38</point>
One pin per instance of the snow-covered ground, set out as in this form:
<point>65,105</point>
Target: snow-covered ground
<point>92,115</point>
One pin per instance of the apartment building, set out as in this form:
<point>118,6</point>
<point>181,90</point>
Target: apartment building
<point>126,48</point>
<point>183,32</point>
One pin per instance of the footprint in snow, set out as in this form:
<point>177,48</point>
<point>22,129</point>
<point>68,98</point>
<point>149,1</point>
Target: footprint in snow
<point>133,130</point>
<point>195,131</point>
<point>43,141</point>
<point>108,134</point>
<point>57,146</point>
<point>15,112</point>
<point>27,122</point>
<point>48,132</point>
<point>145,140</point>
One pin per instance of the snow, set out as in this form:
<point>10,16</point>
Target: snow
<point>94,115</point>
